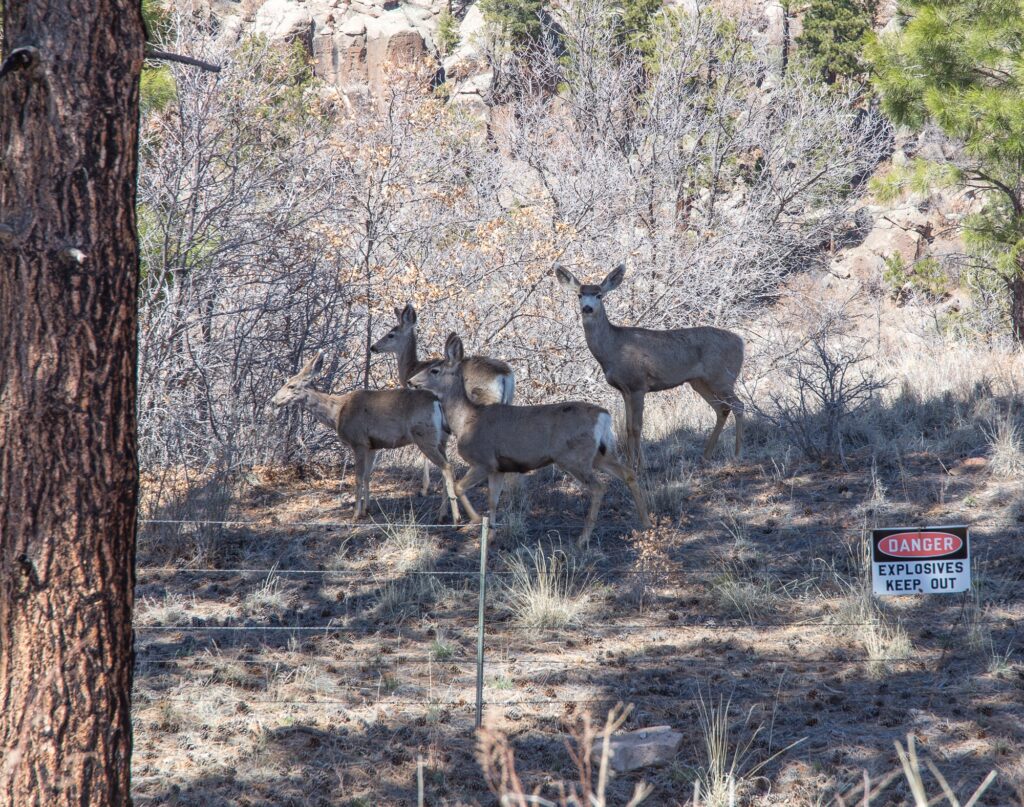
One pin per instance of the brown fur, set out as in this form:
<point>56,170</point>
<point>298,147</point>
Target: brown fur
<point>487,380</point>
<point>636,361</point>
<point>370,420</point>
<point>499,439</point>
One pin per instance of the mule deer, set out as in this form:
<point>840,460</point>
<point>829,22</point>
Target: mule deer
<point>637,360</point>
<point>369,420</point>
<point>499,439</point>
<point>487,380</point>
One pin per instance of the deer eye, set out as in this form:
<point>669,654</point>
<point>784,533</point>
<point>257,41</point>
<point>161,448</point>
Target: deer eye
<point>599,296</point>
<point>434,371</point>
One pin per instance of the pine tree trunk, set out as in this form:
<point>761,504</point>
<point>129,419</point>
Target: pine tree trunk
<point>68,478</point>
<point>1016,285</point>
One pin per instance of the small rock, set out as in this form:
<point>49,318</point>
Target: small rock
<point>641,749</point>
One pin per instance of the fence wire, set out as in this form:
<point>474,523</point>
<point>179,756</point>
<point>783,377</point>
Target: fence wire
<point>366,693</point>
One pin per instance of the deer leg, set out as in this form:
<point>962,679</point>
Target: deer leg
<point>449,486</point>
<point>738,415</point>
<point>721,413</point>
<point>435,455</point>
<point>593,483</point>
<point>627,403</point>
<point>359,463</point>
<point>637,407</point>
<point>371,461</point>
<point>474,476</point>
<point>620,471</point>
<point>425,488</point>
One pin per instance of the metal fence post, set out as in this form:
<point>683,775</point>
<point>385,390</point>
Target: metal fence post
<point>480,625</point>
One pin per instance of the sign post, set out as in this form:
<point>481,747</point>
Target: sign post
<point>928,560</point>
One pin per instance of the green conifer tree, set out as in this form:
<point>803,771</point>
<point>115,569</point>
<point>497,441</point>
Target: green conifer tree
<point>833,37</point>
<point>447,31</point>
<point>638,19</point>
<point>516,21</point>
<point>959,64</point>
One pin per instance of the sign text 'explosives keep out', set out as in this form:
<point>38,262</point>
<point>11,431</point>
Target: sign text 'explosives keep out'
<point>932,560</point>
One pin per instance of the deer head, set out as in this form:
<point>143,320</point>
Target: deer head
<point>443,378</point>
<point>295,387</point>
<point>591,296</point>
<point>395,339</point>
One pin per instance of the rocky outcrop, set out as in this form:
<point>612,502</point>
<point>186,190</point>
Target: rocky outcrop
<point>354,44</point>
<point>467,60</point>
<point>284,20</point>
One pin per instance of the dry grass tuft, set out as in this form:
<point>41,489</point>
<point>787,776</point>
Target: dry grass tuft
<point>860,617</point>
<point>738,592</point>
<point>545,590</point>
<point>171,609</point>
<point>407,547</point>
<point>885,643</point>
<point>270,595</point>
<point>408,595</point>
<point>412,552</point>
<point>1006,456</point>
<point>729,769</point>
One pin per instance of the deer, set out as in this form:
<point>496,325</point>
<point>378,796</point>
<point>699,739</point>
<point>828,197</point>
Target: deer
<point>487,380</point>
<point>636,361</point>
<point>501,439</point>
<point>368,421</point>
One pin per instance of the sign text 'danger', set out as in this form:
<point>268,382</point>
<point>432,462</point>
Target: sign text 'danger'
<point>934,560</point>
<point>920,544</point>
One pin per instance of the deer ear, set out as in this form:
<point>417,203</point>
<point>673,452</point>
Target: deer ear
<point>614,278</point>
<point>408,315</point>
<point>453,351</point>
<point>566,279</point>
<point>398,315</point>
<point>313,365</point>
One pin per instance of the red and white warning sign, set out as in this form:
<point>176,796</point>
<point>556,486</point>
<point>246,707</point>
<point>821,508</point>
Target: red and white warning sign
<point>929,560</point>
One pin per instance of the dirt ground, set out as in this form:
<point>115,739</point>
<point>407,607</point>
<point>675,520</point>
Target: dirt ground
<point>322,675</point>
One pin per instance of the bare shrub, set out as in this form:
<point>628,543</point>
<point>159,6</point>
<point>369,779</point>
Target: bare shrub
<point>276,220</point>
<point>713,186</point>
<point>651,567</point>
<point>824,377</point>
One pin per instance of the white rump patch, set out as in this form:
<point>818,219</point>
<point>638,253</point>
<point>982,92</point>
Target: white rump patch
<point>603,432</point>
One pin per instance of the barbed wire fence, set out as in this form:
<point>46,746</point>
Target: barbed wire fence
<point>383,694</point>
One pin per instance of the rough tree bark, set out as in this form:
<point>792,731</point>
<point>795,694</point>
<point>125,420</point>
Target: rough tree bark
<point>1016,288</point>
<point>69,107</point>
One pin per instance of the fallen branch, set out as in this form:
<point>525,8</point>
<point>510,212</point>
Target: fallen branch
<point>152,53</point>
